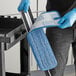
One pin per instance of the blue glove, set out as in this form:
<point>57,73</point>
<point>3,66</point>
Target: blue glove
<point>68,19</point>
<point>24,5</point>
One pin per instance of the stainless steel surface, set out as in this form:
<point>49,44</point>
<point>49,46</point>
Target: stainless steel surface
<point>2,60</point>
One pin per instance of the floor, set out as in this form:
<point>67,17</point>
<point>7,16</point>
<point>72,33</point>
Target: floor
<point>69,71</point>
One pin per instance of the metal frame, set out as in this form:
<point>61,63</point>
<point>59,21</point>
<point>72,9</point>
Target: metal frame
<point>8,38</point>
<point>22,58</point>
<point>2,59</point>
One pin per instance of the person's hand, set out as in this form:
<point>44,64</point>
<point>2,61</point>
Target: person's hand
<point>24,5</point>
<point>68,19</point>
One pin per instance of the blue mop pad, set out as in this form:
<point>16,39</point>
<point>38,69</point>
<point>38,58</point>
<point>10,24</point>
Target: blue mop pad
<point>41,49</point>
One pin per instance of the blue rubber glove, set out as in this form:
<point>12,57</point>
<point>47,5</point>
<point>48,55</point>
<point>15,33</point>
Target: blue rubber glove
<point>68,19</point>
<point>24,5</point>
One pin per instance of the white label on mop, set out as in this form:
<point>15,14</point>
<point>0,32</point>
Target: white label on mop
<point>46,20</point>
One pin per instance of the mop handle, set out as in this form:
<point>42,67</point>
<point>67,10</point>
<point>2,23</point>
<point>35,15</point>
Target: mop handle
<point>24,18</point>
<point>31,16</point>
<point>28,17</point>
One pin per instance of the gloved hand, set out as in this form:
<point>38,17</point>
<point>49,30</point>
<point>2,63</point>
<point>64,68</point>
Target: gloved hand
<point>68,19</point>
<point>24,5</point>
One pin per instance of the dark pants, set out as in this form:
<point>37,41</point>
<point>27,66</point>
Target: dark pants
<point>60,40</point>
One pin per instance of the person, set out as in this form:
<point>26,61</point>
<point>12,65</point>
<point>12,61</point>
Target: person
<point>62,36</point>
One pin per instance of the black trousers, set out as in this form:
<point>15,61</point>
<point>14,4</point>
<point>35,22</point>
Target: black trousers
<point>60,40</point>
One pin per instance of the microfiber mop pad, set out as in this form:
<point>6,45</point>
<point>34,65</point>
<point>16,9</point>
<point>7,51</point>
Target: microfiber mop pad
<point>40,47</point>
<point>46,19</point>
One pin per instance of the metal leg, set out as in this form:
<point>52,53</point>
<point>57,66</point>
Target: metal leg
<point>24,56</point>
<point>2,60</point>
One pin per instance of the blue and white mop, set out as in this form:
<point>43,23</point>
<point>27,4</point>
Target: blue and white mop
<point>38,41</point>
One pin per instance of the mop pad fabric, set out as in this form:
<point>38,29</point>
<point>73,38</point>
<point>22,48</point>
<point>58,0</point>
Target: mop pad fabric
<point>41,49</point>
<point>46,19</point>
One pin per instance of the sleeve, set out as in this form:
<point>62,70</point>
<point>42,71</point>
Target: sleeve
<point>72,6</point>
